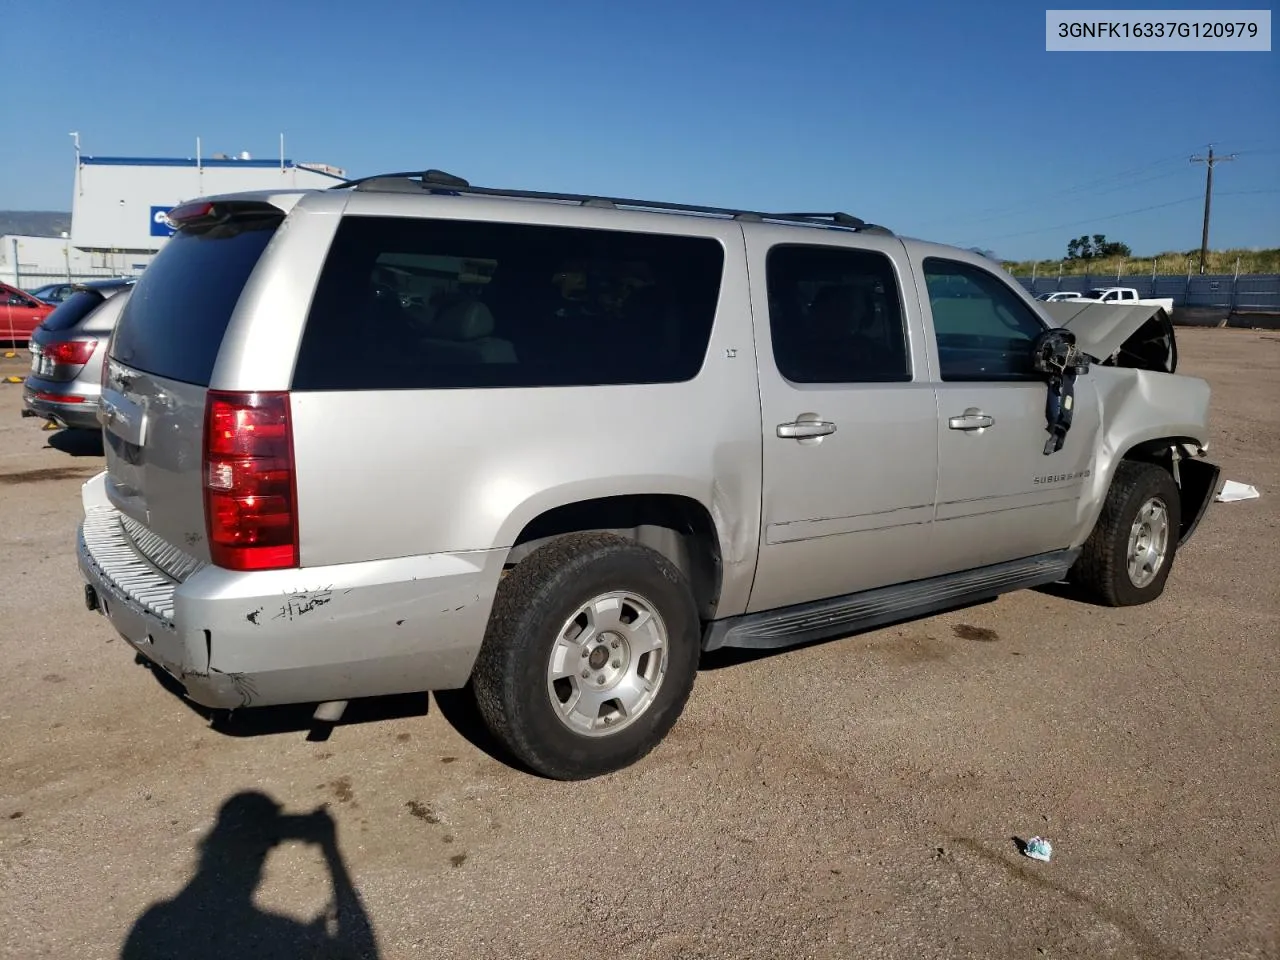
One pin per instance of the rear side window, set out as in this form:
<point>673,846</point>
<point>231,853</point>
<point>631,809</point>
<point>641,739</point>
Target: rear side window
<point>835,316</point>
<point>72,310</point>
<point>173,324</point>
<point>432,304</point>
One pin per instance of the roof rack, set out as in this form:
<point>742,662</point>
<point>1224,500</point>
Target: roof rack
<point>439,182</point>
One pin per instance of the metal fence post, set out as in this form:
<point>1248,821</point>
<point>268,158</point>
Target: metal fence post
<point>1235,287</point>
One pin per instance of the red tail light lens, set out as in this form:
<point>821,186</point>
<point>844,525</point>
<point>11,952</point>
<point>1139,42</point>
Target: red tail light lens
<point>70,352</point>
<point>190,211</point>
<point>250,496</point>
<point>58,397</point>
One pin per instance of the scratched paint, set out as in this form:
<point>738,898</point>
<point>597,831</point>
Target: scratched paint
<point>302,602</point>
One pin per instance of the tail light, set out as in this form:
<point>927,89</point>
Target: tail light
<point>188,212</point>
<point>69,352</point>
<point>250,494</point>
<point>58,397</point>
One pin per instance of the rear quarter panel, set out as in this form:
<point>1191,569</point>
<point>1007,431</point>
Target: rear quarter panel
<point>99,325</point>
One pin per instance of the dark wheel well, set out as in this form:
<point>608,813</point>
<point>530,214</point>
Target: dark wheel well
<point>679,528</point>
<point>1196,479</point>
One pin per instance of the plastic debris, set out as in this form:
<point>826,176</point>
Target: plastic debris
<point>1038,848</point>
<point>1232,491</point>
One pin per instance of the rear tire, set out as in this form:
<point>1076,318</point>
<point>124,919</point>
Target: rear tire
<point>1128,556</point>
<point>597,605</point>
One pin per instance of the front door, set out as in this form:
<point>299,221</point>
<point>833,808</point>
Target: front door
<point>1000,497</point>
<point>850,421</point>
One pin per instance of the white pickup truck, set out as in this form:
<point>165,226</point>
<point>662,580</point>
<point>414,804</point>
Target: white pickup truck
<point>1123,296</point>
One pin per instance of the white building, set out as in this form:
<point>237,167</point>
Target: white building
<point>119,205</point>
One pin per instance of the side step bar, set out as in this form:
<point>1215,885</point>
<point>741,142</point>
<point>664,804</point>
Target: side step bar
<point>840,616</point>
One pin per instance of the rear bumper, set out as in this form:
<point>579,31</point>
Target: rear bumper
<point>81,415</point>
<point>235,640</point>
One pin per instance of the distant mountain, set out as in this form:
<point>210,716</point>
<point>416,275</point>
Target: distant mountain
<point>34,223</point>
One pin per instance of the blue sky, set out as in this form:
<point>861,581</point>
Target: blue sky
<point>939,119</point>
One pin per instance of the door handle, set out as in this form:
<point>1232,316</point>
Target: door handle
<point>971,420</point>
<point>806,427</point>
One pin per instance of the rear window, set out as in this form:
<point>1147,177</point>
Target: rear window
<point>173,324</point>
<point>72,310</point>
<point>430,304</point>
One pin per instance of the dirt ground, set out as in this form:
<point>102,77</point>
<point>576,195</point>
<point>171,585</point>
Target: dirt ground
<point>856,799</point>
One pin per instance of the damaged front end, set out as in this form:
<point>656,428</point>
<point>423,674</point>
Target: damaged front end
<point>1138,336</point>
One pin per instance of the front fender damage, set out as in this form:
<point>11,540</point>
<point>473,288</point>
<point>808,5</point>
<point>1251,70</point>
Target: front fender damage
<point>1158,418</point>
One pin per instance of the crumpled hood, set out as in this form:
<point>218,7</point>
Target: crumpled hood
<point>1126,335</point>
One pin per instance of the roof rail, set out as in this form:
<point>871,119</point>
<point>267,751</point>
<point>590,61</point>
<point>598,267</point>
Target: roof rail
<point>439,182</point>
<point>845,220</point>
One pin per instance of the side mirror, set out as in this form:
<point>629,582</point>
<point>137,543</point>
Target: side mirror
<point>1054,353</point>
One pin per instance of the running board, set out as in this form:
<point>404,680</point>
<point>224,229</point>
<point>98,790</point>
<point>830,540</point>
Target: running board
<point>840,616</point>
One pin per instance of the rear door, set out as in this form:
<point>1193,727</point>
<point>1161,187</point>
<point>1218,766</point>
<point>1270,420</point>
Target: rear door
<point>850,421</point>
<point>161,360</point>
<point>1000,497</point>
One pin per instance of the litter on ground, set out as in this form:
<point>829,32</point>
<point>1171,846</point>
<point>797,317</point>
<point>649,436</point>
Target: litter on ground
<point>1038,848</point>
<point>1232,491</point>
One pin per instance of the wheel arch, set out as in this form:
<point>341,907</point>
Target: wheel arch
<point>1181,455</point>
<point>1196,478</point>
<point>677,525</point>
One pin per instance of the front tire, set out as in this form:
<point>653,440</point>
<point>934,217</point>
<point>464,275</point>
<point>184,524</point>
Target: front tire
<point>1128,556</point>
<point>589,657</point>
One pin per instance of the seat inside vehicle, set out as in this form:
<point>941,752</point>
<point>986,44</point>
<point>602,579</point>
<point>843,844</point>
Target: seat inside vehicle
<point>463,333</point>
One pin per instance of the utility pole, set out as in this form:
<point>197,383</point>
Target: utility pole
<point>1209,162</point>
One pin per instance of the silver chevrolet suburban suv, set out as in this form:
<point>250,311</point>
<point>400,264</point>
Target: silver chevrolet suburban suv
<point>411,434</point>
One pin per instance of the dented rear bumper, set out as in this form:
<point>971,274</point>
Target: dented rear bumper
<point>235,640</point>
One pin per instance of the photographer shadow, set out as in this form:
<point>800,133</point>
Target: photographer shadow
<point>215,916</point>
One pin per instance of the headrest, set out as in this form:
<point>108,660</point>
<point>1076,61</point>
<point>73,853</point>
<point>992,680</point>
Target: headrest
<point>467,320</point>
<point>841,306</point>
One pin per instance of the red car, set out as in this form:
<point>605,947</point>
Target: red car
<point>20,314</point>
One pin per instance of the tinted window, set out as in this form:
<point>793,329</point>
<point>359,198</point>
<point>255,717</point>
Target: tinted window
<point>173,324</point>
<point>984,329</point>
<point>72,310</point>
<point>429,304</point>
<point>835,316</point>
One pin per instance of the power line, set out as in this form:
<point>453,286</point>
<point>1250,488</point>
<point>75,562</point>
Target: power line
<point>1209,163</point>
<point>1093,193</point>
<point>1117,179</point>
<point>1113,216</point>
<point>1089,220</point>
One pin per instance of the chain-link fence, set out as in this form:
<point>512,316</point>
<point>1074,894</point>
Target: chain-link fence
<point>1258,292</point>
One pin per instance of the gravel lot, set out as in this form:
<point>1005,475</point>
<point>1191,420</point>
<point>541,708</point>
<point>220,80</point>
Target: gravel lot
<point>855,799</point>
